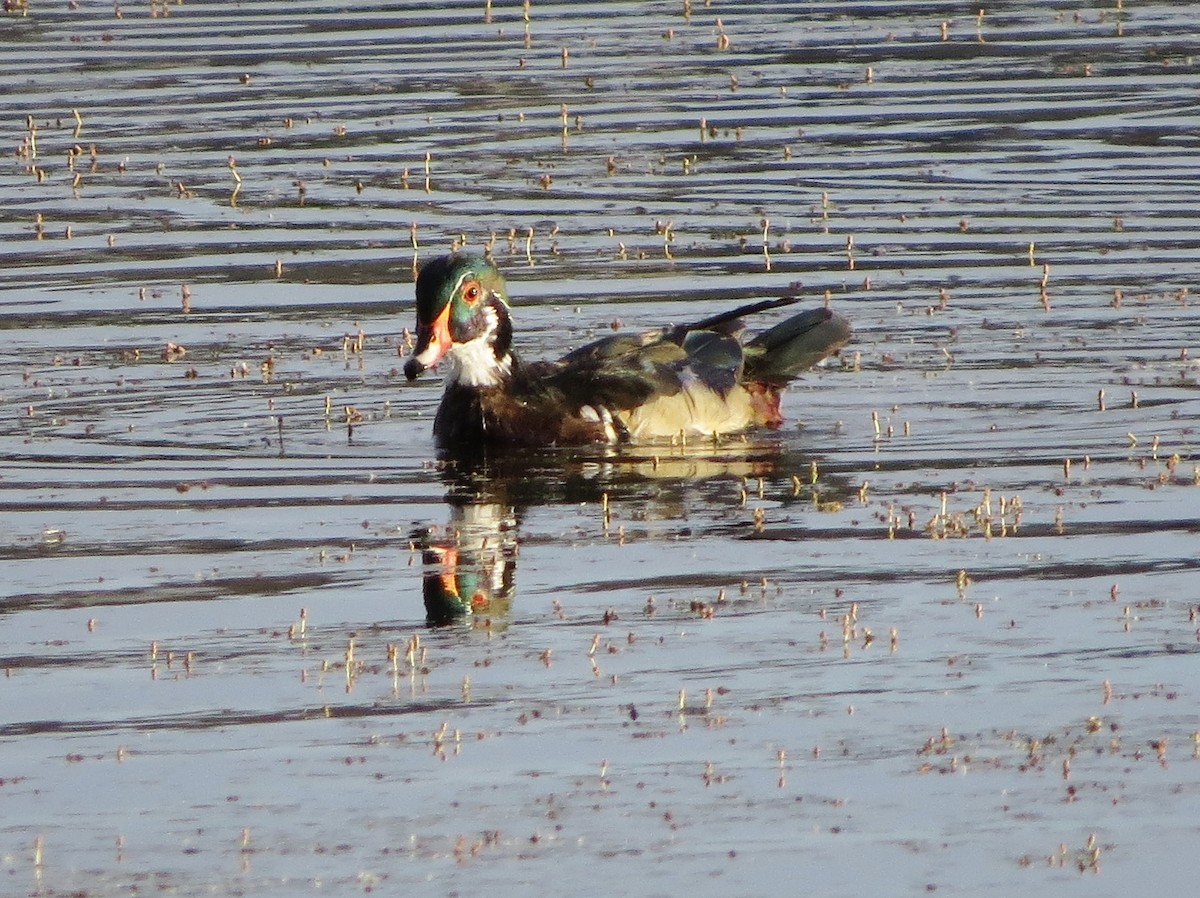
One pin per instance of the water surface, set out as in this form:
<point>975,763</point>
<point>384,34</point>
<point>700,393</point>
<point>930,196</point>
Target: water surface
<point>937,634</point>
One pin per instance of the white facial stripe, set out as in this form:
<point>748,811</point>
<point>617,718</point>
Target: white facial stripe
<point>470,275</point>
<point>492,322</point>
<point>458,285</point>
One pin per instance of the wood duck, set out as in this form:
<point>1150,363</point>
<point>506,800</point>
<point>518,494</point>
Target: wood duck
<point>680,381</point>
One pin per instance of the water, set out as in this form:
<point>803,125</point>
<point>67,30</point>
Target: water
<point>890,679</point>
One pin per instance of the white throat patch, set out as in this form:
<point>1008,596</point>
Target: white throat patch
<point>474,363</point>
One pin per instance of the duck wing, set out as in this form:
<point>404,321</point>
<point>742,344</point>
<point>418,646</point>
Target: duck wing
<point>642,364</point>
<point>616,372</point>
<point>681,376</point>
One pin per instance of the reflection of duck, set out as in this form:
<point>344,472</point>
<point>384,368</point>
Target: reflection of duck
<point>470,566</point>
<point>470,563</point>
<point>689,380</point>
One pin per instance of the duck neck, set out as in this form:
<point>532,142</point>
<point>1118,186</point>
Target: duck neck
<point>477,364</point>
<point>485,360</point>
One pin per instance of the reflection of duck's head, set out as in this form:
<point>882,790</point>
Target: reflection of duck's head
<point>470,566</point>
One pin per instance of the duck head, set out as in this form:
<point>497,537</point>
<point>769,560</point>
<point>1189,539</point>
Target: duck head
<point>462,317</point>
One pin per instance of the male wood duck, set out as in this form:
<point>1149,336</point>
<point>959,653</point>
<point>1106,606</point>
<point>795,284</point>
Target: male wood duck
<point>683,380</point>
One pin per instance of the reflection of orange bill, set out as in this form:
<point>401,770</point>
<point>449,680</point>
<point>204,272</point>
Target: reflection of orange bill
<point>448,558</point>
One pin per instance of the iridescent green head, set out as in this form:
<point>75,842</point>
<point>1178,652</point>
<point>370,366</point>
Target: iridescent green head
<point>460,298</point>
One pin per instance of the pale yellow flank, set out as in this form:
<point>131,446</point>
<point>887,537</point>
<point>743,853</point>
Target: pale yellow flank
<point>696,410</point>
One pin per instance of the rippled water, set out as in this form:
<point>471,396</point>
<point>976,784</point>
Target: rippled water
<point>937,634</point>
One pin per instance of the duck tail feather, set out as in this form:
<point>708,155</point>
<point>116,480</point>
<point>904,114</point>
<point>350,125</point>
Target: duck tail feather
<point>780,353</point>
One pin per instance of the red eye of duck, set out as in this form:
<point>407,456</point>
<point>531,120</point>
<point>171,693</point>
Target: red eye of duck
<point>472,291</point>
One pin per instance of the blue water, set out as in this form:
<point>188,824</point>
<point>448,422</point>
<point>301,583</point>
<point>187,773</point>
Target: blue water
<point>892,677</point>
